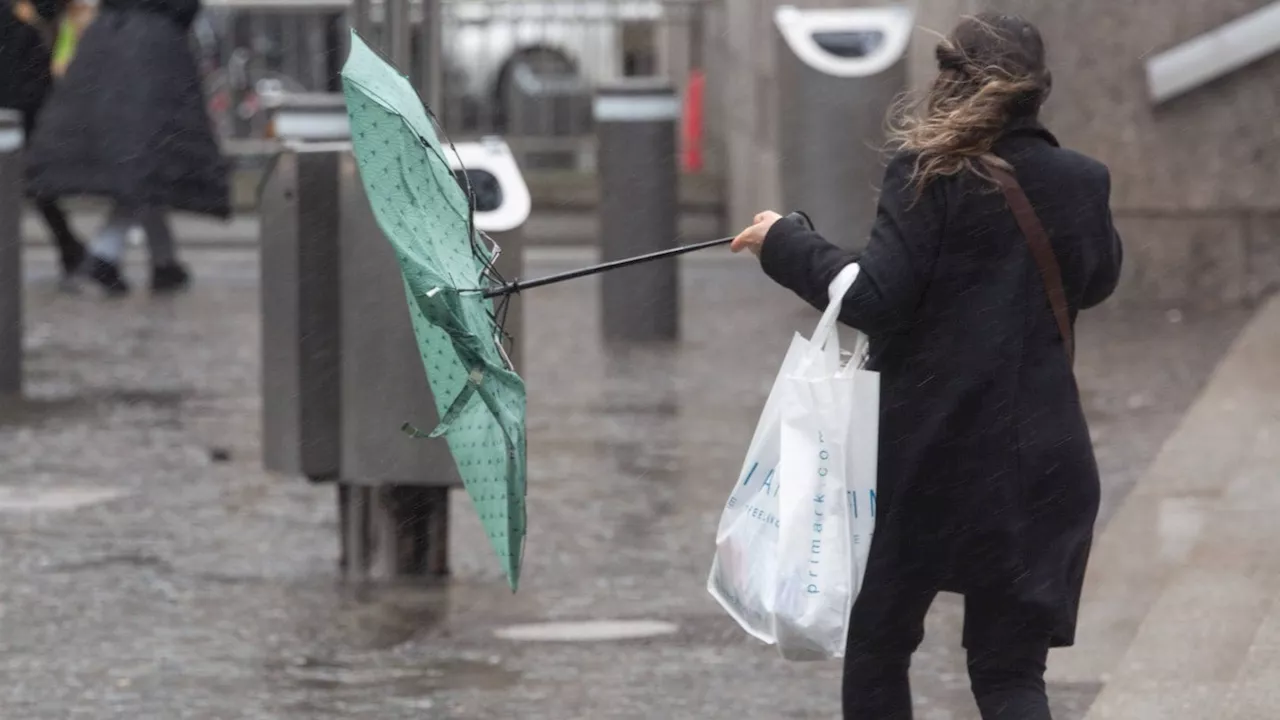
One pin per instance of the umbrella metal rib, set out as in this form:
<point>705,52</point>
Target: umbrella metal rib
<point>516,286</point>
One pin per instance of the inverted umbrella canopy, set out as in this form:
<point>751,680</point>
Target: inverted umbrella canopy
<point>447,266</point>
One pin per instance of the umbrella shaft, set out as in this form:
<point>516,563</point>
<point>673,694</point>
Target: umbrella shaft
<point>522,285</point>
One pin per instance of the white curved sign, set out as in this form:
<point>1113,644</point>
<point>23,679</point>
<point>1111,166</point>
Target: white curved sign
<point>798,28</point>
<point>493,155</point>
<point>309,125</point>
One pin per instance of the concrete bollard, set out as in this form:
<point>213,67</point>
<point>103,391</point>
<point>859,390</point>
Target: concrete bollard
<point>839,71</point>
<point>639,205</point>
<point>11,197</point>
<point>341,368</point>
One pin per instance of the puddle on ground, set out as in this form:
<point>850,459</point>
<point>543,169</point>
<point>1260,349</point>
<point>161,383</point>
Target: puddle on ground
<point>34,412</point>
<point>587,631</point>
<point>20,412</point>
<point>367,618</point>
<point>402,680</point>
<point>141,396</point>
<point>125,560</point>
<point>15,499</point>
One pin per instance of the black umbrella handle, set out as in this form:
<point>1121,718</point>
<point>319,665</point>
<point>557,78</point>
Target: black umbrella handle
<point>517,286</point>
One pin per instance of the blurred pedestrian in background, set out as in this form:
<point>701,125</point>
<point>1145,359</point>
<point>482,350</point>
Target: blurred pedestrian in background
<point>28,29</point>
<point>987,483</point>
<point>128,123</point>
<point>78,15</point>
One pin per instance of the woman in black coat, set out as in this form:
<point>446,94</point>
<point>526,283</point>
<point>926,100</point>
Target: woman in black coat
<point>27,33</point>
<point>987,481</point>
<point>128,122</point>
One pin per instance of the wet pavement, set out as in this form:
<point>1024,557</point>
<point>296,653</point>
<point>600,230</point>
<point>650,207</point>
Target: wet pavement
<point>153,570</point>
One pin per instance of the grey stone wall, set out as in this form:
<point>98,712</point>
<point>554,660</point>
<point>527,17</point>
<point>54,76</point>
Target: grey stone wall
<point>1196,181</point>
<point>743,67</point>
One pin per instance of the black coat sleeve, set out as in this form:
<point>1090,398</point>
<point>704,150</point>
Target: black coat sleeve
<point>182,12</point>
<point>50,10</point>
<point>895,267</point>
<point>1106,274</point>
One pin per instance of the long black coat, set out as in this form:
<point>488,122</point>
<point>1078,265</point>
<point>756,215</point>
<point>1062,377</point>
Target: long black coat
<point>25,56</point>
<point>987,479</point>
<point>128,120</point>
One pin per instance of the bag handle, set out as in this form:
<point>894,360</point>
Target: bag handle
<point>836,291</point>
<point>1041,250</point>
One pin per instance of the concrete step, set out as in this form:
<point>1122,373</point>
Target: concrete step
<point>1183,577</point>
<point>1256,690</point>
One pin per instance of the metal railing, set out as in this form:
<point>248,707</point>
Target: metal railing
<point>525,69</point>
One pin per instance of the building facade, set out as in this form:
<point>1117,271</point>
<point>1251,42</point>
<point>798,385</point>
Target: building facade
<point>1196,180</point>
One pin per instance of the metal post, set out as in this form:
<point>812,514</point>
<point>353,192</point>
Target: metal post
<point>399,33</point>
<point>354,502</point>
<point>431,42</point>
<point>839,71</point>
<point>510,265</point>
<point>393,532</point>
<point>400,529</point>
<point>639,205</point>
<point>358,17</point>
<point>335,44</point>
<point>419,528</point>
<point>11,142</point>
<point>300,314</point>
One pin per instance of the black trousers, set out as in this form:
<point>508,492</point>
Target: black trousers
<point>70,249</point>
<point>1006,666</point>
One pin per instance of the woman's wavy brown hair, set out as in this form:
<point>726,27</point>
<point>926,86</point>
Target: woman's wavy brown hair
<point>991,70</point>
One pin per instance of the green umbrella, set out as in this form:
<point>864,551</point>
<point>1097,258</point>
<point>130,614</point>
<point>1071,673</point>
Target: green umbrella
<point>451,287</point>
<point>426,215</point>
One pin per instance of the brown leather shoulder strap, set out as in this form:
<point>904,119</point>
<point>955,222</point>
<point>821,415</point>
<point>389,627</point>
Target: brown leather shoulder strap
<point>1041,250</point>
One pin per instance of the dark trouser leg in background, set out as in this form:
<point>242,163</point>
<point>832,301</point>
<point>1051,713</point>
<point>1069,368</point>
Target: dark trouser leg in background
<point>70,249</point>
<point>167,274</point>
<point>160,244</point>
<point>107,250</point>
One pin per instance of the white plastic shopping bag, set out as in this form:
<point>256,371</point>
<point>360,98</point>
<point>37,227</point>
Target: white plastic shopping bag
<point>744,568</point>
<point>791,545</point>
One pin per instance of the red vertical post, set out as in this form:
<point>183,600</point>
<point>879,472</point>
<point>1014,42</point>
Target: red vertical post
<point>691,122</point>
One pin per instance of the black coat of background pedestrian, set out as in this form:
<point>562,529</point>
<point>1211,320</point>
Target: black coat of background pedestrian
<point>987,482</point>
<point>128,121</point>
<point>26,79</point>
<point>26,74</point>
